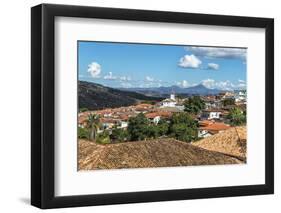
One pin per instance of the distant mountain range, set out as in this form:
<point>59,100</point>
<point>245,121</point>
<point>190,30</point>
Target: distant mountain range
<point>164,91</point>
<point>95,96</point>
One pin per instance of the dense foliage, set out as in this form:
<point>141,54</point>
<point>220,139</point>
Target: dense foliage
<point>237,117</point>
<point>183,127</point>
<point>119,135</point>
<point>194,105</point>
<point>137,127</point>
<point>180,126</point>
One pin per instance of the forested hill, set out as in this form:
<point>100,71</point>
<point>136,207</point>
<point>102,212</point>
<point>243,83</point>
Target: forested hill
<point>95,96</point>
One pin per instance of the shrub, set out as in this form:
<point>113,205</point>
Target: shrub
<point>83,133</point>
<point>103,138</point>
<point>119,135</point>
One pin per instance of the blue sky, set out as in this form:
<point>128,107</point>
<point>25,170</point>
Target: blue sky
<point>153,65</point>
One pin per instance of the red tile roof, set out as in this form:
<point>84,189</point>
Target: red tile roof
<point>215,126</point>
<point>159,113</point>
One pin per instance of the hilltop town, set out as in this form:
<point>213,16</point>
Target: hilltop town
<point>213,118</point>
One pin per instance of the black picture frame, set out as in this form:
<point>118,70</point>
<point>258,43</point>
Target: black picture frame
<point>43,102</point>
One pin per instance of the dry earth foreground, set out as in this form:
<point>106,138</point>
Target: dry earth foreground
<point>228,147</point>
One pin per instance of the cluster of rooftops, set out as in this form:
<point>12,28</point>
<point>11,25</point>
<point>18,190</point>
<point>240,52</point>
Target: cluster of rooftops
<point>211,119</point>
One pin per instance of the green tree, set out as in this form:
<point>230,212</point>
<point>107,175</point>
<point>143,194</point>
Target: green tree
<point>194,105</point>
<point>183,127</point>
<point>119,135</point>
<point>152,131</point>
<point>93,124</point>
<point>163,127</point>
<point>237,117</point>
<point>137,127</point>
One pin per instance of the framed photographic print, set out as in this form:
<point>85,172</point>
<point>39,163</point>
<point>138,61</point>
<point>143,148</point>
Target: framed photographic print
<point>139,106</point>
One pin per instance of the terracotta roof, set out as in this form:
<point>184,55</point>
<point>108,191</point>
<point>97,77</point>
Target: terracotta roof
<point>169,109</point>
<point>124,117</point>
<point>206,122</point>
<point>231,142</point>
<point>141,109</point>
<point>142,154</point>
<point>215,126</point>
<point>159,113</point>
<point>151,115</point>
<point>108,120</point>
<point>165,114</point>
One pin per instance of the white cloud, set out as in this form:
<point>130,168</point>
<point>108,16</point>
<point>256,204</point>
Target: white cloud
<point>213,66</point>
<point>148,78</point>
<point>183,83</point>
<point>217,52</point>
<point>209,83</point>
<point>225,85</point>
<point>241,85</point>
<point>190,61</point>
<point>94,69</point>
<point>110,76</point>
<point>222,85</point>
<point>125,78</point>
<point>149,84</point>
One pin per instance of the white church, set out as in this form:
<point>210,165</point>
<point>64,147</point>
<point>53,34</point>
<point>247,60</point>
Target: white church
<point>170,102</point>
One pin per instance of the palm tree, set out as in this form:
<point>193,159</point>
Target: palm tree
<point>93,124</point>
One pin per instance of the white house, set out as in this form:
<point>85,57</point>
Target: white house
<point>202,133</point>
<point>214,115</point>
<point>211,114</point>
